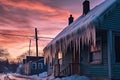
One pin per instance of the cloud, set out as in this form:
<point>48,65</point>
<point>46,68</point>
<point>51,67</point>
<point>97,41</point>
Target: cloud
<point>25,4</point>
<point>20,17</point>
<point>30,5</point>
<point>27,14</point>
<point>10,37</point>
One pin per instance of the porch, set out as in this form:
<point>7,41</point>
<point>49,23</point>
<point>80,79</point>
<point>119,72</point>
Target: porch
<point>71,69</point>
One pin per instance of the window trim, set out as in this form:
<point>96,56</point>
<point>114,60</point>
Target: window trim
<point>100,51</point>
<point>115,60</point>
<point>34,66</point>
<point>60,57</point>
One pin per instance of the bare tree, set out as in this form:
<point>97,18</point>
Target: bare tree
<point>4,54</point>
<point>23,56</point>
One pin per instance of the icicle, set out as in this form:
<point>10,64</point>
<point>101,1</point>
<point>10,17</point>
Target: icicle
<point>76,41</point>
<point>47,52</point>
<point>54,51</point>
<point>51,58</point>
<point>86,35</point>
<point>82,40</point>
<point>66,42</point>
<point>79,45</point>
<point>64,46</point>
<point>74,49</point>
<point>94,36</point>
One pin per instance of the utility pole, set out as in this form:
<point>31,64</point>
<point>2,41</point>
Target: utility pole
<point>36,38</point>
<point>29,47</point>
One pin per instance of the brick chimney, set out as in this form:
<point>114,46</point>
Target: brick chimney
<point>70,19</point>
<point>86,7</point>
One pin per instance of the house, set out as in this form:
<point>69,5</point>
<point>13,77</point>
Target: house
<point>34,65</point>
<point>89,46</point>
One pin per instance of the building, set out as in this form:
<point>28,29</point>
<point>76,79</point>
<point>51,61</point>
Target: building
<point>89,46</point>
<point>34,65</point>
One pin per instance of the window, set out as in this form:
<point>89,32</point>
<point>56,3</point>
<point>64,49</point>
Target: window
<point>117,48</point>
<point>96,53</point>
<point>34,65</point>
<point>40,65</point>
<point>60,58</point>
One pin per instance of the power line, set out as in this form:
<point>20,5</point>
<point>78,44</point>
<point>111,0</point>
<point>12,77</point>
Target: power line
<point>25,36</point>
<point>46,37</point>
<point>16,35</point>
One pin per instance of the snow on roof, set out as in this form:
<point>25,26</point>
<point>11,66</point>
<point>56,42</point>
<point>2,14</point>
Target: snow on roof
<point>84,20</point>
<point>81,25</point>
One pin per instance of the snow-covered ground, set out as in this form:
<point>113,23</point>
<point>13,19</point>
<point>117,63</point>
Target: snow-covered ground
<point>73,77</point>
<point>42,76</point>
<point>2,76</point>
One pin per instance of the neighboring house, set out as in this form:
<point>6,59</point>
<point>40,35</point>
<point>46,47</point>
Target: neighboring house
<point>34,65</point>
<point>4,66</point>
<point>89,46</point>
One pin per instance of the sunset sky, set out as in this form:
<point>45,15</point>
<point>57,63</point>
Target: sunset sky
<point>20,17</point>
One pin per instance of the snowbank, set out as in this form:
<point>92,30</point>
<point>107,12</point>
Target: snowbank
<point>42,76</point>
<point>2,76</point>
<point>73,77</point>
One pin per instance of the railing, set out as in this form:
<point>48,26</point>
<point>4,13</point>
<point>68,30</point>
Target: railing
<point>56,70</point>
<point>75,68</point>
<point>72,68</point>
<point>66,71</point>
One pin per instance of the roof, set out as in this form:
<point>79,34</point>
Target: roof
<point>84,20</point>
<point>33,58</point>
<point>80,26</point>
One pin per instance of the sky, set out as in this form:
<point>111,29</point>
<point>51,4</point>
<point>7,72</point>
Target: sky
<point>20,17</point>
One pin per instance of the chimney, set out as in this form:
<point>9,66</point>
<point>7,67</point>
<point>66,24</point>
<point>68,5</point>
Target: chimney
<point>86,7</point>
<point>70,19</point>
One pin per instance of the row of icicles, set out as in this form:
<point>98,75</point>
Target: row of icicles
<point>86,36</point>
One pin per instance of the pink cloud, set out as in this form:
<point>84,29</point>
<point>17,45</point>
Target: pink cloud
<point>21,16</point>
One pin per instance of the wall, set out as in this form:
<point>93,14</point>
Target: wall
<point>111,22</point>
<point>97,70</point>
<point>115,66</point>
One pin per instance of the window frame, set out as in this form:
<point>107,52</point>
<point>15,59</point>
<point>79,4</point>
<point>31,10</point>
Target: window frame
<point>96,51</point>
<point>118,62</point>
<point>34,66</point>
<point>60,57</point>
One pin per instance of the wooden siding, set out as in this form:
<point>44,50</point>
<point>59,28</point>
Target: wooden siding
<point>115,66</point>
<point>100,70</point>
<point>116,71</point>
<point>94,70</point>
<point>112,20</point>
